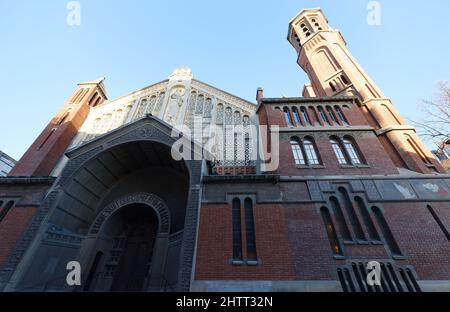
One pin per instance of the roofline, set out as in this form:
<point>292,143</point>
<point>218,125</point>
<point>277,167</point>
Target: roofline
<point>228,93</point>
<point>133,92</point>
<point>27,180</point>
<point>8,157</point>
<point>309,99</point>
<point>167,80</point>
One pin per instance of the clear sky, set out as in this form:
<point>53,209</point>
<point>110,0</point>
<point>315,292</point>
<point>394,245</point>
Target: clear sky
<point>235,45</point>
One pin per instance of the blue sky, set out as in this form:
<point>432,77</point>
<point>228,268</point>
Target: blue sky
<point>234,45</point>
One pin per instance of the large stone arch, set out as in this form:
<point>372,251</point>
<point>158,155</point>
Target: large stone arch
<point>151,200</point>
<point>33,241</point>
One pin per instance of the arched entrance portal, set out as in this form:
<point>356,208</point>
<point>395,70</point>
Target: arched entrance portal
<point>128,243</point>
<point>133,241</point>
<point>121,188</point>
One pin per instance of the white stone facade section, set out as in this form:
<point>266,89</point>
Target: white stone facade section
<point>180,101</point>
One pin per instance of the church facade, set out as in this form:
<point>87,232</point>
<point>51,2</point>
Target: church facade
<point>181,186</point>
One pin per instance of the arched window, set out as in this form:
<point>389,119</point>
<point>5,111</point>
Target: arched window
<point>151,105</point>
<point>237,118</point>
<point>64,118</point>
<point>127,113</point>
<point>332,86</point>
<point>343,228</point>
<point>340,113</point>
<point>106,125</point>
<point>305,115</point>
<point>297,152</point>
<point>200,103</point>
<point>77,94</point>
<point>311,151</point>
<point>296,116</point>
<point>142,108</point>
<point>208,108</point>
<point>331,231</point>
<point>331,114</point>
<point>338,151</point>
<point>118,118</point>
<point>344,79</point>
<point>161,98</point>
<point>388,236</point>
<point>352,151</point>
<point>373,233</point>
<point>439,222</point>
<point>322,115</point>
<point>95,129</point>
<point>237,230</point>
<point>97,101</point>
<point>250,230</point>
<point>287,117</point>
<point>219,114</point>
<point>93,99</point>
<point>354,221</point>
<point>3,212</point>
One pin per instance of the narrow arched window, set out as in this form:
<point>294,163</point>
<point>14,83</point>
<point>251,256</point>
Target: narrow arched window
<point>439,222</point>
<point>343,228</point>
<point>287,117</point>
<point>322,115</point>
<point>237,230</point>
<point>95,129</point>
<point>151,105</point>
<point>311,151</point>
<point>297,118</point>
<point>352,151</point>
<point>161,98</point>
<point>97,101</point>
<point>93,99</point>
<point>332,114</point>
<point>333,88</point>
<point>388,236</point>
<point>219,114</point>
<point>3,212</point>
<point>331,231</point>
<point>297,152</point>
<point>118,118</point>
<point>340,113</point>
<point>305,115</point>
<point>200,102</point>
<point>106,125</point>
<point>338,151</point>
<point>64,118</point>
<point>364,212</point>
<point>344,79</point>
<point>354,221</point>
<point>142,108</point>
<point>250,230</point>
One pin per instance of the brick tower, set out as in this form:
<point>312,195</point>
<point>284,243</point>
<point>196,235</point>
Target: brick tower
<point>333,71</point>
<point>43,155</point>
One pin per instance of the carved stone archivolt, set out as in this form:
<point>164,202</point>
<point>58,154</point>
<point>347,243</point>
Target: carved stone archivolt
<point>148,199</point>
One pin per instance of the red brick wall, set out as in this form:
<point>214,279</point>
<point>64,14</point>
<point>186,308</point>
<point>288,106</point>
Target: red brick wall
<point>18,218</point>
<point>11,229</point>
<point>215,249</point>
<point>308,242</point>
<point>373,152</point>
<point>420,237</point>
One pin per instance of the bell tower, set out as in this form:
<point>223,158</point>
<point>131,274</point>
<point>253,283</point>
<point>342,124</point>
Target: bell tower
<point>333,71</point>
<point>43,155</point>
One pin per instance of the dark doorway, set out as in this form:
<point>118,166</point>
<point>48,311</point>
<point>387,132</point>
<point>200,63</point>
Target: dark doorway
<point>133,247</point>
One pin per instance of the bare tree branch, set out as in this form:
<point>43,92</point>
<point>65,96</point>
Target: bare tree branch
<point>435,124</point>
